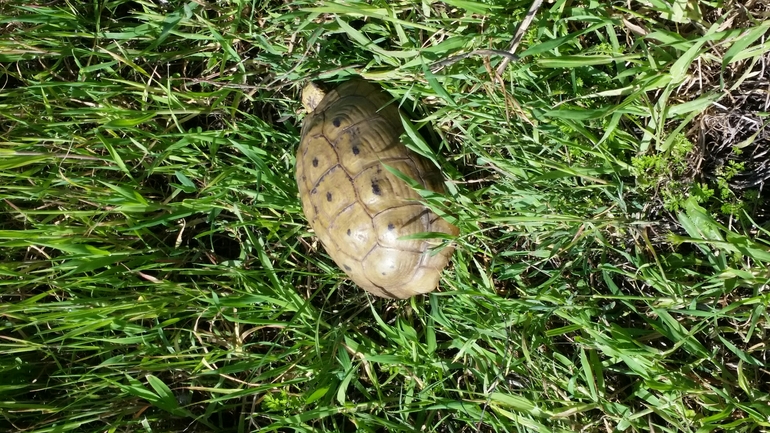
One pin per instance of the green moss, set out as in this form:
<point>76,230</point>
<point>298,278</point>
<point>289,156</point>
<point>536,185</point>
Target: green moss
<point>662,173</point>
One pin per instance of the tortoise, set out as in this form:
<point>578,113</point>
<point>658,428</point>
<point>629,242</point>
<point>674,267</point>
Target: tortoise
<point>359,209</point>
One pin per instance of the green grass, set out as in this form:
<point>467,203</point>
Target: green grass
<point>158,275</point>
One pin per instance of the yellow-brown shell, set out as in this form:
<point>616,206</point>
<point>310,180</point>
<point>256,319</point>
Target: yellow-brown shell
<point>357,208</point>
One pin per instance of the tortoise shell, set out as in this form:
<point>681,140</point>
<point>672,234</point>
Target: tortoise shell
<point>359,209</point>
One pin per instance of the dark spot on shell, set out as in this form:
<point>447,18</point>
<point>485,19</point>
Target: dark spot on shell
<point>376,188</point>
<point>383,273</point>
<point>314,191</point>
<point>336,122</point>
<point>315,162</point>
<point>356,151</point>
<point>328,196</point>
<point>391,226</point>
<point>347,268</point>
<point>348,232</point>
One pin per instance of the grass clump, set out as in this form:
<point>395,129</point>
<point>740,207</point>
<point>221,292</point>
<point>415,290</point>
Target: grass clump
<point>662,174</point>
<point>158,275</point>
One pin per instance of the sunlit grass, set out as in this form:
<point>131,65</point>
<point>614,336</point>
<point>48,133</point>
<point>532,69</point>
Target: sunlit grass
<point>158,273</point>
